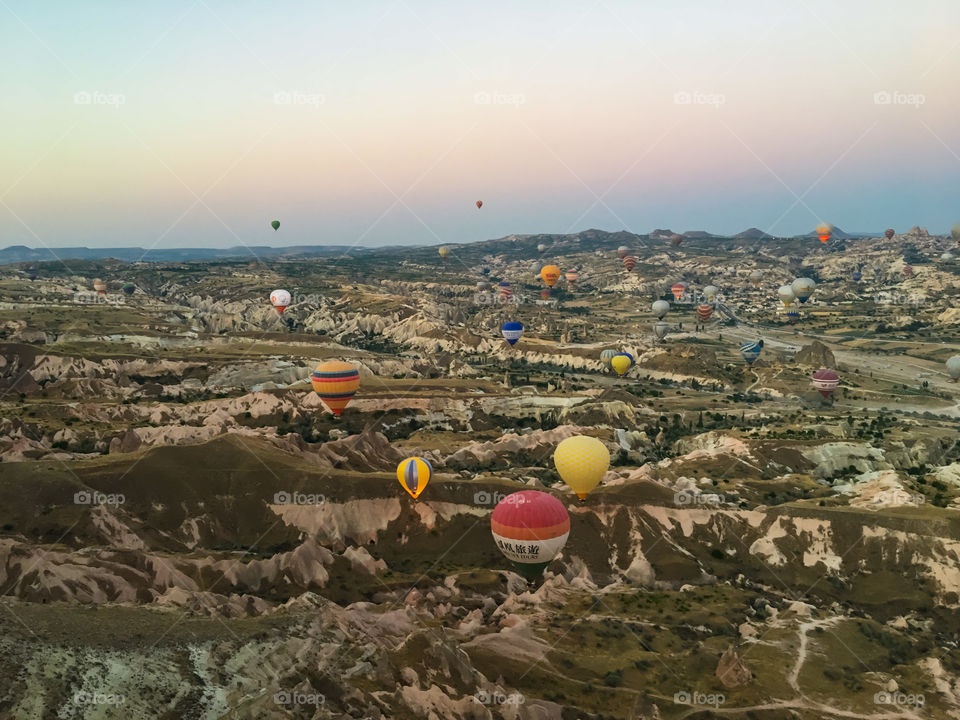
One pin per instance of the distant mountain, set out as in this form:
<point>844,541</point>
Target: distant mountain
<point>753,234</point>
<point>700,234</point>
<point>21,253</point>
<point>659,234</point>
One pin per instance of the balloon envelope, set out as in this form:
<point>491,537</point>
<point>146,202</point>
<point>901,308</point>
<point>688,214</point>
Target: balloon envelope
<point>622,251</point>
<point>550,274</point>
<point>824,230</point>
<point>710,292</point>
<point>414,473</point>
<point>660,308</point>
<point>479,203</point>
<point>786,294</point>
<point>336,383</point>
<point>661,329</point>
<point>275,224</point>
<point>444,251</point>
<point>606,356</point>
<point>678,290</point>
<point>512,331</point>
<point>953,367</point>
<point>621,362</point>
<point>825,381</point>
<point>889,233</point>
<point>582,462</point>
<point>803,288</point>
<point>751,351</point>
<point>530,528</point>
<point>280,300</point>
<point>704,311</point>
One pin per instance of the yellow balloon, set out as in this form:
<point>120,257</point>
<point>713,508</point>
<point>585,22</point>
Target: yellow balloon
<point>414,473</point>
<point>550,274</point>
<point>621,363</point>
<point>581,462</point>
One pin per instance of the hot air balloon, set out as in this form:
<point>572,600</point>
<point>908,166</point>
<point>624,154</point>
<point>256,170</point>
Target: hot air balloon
<point>824,230</point>
<point>710,292</point>
<point>704,311</point>
<point>443,252</point>
<point>623,250</point>
<point>530,528</point>
<point>336,383</point>
<point>803,288</point>
<point>751,351</point>
<point>953,367</point>
<point>482,286</point>
<point>675,240</point>
<point>907,270</point>
<point>786,294</point>
<point>955,232</point>
<point>541,247</point>
<point>280,300</point>
<point>275,225</point>
<point>678,290</point>
<point>479,204</point>
<point>414,473</point>
<point>503,289</point>
<point>889,233</point>
<point>825,381</point>
<point>660,308</point>
<point>661,329</point>
<point>550,274</point>
<point>100,286</point>
<point>755,277</point>
<point>571,276</point>
<point>582,461</point>
<point>545,294</point>
<point>946,257</point>
<point>629,262</point>
<point>129,288</point>
<point>857,275</point>
<point>606,356</point>
<point>621,362</point>
<point>512,331</point>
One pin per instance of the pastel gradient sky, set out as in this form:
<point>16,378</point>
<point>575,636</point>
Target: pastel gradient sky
<point>359,123</point>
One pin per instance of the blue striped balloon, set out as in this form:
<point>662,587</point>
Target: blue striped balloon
<point>751,351</point>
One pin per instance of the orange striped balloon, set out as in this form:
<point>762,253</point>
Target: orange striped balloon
<point>336,383</point>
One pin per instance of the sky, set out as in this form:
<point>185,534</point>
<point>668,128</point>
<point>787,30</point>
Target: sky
<point>196,123</point>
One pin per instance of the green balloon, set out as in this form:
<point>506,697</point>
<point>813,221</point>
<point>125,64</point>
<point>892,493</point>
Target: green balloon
<point>275,224</point>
